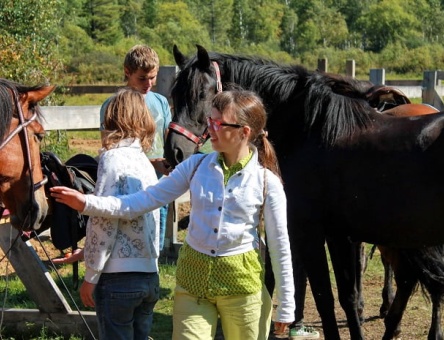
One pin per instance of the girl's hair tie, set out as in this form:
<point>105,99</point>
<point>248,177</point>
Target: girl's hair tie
<point>263,133</point>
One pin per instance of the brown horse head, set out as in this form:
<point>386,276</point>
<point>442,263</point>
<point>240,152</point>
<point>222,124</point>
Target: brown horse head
<point>21,178</point>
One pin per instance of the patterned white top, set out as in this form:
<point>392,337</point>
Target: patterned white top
<point>116,244</point>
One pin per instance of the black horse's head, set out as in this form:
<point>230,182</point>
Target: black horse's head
<point>192,92</point>
<point>299,103</point>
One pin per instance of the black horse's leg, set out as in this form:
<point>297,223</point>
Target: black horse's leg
<point>344,255</point>
<point>435,331</point>
<point>314,259</point>
<point>300,286</point>
<point>269,276</point>
<point>307,242</point>
<point>388,293</point>
<point>406,280</point>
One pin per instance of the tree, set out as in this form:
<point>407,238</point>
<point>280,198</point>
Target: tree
<point>264,21</point>
<point>103,19</point>
<point>328,18</point>
<point>289,33</point>
<point>29,34</point>
<point>176,25</point>
<point>131,11</point>
<point>149,12</point>
<point>388,22</point>
<point>432,21</point>
<point>215,16</point>
<point>238,31</point>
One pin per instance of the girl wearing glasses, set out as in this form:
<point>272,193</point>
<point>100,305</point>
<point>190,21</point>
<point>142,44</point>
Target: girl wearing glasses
<point>219,269</point>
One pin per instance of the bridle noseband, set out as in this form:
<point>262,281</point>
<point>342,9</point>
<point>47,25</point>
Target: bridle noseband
<point>22,128</point>
<point>198,140</point>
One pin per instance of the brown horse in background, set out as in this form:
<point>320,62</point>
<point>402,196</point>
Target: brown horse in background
<point>408,266</point>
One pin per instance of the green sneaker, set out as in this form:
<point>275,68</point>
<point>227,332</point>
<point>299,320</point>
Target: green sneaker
<point>304,333</point>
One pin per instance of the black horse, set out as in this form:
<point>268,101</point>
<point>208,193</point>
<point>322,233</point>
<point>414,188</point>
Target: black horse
<point>350,173</point>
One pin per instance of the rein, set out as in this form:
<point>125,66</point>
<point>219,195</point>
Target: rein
<point>198,140</point>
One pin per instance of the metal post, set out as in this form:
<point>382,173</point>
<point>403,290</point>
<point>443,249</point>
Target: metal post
<point>377,76</point>
<point>165,78</point>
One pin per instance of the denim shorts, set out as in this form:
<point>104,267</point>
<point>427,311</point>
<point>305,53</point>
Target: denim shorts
<point>125,303</point>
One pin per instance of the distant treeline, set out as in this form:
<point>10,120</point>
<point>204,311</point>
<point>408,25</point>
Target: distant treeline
<point>84,41</point>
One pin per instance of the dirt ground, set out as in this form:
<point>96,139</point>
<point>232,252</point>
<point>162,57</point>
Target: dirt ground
<point>90,146</point>
<point>415,322</point>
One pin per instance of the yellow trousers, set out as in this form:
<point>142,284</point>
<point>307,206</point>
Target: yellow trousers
<point>243,317</point>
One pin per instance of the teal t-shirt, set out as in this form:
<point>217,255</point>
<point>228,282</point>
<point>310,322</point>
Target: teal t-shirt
<point>161,113</point>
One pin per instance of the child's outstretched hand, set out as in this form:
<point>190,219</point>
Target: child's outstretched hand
<point>77,255</point>
<point>71,197</point>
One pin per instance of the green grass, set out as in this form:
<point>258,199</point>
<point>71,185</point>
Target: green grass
<point>17,297</point>
<point>84,99</point>
<point>162,323</point>
<point>57,141</point>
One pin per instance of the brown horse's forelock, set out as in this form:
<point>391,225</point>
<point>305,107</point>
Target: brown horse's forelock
<point>7,107</point>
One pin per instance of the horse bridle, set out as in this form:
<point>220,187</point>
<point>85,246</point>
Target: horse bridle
<point>198,140</point>
<point>22,128</point>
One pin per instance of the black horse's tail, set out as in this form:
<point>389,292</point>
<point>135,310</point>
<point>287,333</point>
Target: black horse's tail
<point>428,265</point>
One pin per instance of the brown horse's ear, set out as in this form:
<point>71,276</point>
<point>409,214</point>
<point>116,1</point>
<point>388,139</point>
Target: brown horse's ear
<point>179,57</point>
<point>203,59</point>
<point>35,96</point>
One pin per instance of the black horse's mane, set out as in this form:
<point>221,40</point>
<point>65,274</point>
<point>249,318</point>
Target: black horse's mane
<point>264,76</point>
<point>9,90</point>
<point>334,106</point>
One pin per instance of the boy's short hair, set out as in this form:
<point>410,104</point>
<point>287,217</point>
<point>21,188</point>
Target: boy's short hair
<point>141,57</point>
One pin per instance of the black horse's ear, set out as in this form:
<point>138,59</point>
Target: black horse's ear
<point>179,57</point>
<point>203,59</point>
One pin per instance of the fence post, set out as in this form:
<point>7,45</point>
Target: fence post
<point>350,68</point>
<point>429,94</point>
<point>323,65</point>
<point>165,79</point>
<point>377,76</point>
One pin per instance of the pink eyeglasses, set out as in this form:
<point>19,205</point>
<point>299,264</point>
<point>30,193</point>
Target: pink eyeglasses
<point>216,124</point>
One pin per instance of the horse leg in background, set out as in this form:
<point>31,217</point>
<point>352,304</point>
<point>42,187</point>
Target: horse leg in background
<point>300,281</point>
<point>428,263</point>
<point>361,265</point>
<point>435,331</point>
<point>344,255</point>
<point>406,281</point>
<point>265,324</point>
<point>316,266</point>
<point>269,276</point>
<point>388,293</point>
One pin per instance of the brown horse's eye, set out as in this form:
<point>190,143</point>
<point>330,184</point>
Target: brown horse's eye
<point>40,136</point>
